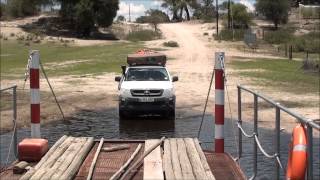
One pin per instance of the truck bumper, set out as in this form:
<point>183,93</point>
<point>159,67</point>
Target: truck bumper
<point>135,106</point>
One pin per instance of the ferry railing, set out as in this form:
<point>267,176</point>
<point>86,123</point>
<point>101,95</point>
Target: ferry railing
<point>310,124</point>
<point>14,140</point>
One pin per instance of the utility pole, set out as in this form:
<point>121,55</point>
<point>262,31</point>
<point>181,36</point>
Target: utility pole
<point>129,11</point>
<point>229,15</point>
<point>217,16</point>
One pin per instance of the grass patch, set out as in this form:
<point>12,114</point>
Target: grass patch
<point>279,74</point>
<point>143,35</point>
<point>171,44</point>
<point>229,35</point>
<point>88,60</point>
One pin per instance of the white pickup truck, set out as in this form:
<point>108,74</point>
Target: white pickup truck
<point>146,87</point>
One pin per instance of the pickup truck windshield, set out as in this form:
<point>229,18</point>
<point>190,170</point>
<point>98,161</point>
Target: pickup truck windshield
<point>147,74</point>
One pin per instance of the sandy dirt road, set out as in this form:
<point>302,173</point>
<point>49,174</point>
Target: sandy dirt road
<point>192,61</point>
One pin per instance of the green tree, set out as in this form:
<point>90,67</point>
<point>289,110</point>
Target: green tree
<point>274,10</point>
<point>205,10</point>
<point>154,17</point>
<point>241,17</point>
<point>2,9</point>
<point>121,18</point>
<point>22,8</point>
<point>87,15</point>
<point>177,7</point>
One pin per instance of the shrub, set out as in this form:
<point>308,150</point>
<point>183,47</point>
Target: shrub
<point>5,38</point>
<point>308,42</point>
<point>12,34</point>
<point>205,34</point>
<point>20,37</point>
<point>227,35</point>
<point>37,41</point>
<point>278,37</point>
<point>143,35</point>
<point>171,44</point>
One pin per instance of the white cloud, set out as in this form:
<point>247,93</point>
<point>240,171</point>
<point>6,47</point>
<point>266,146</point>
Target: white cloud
<point>136,10</point>
<point>248,4</point>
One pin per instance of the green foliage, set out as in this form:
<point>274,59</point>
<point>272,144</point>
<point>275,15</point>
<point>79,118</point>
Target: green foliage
<point>274,10</point>
<point>310,13</point>
<point>241,17</point>
<point>2,9</point>
<point>143,35</point>
<point>22,8</point>
<point>227,35</point>
<point>85,14</point>
<point>278,36</point>
<point>121,18</point>
<point>154,17</point>
<point>205,11</point>
<point>178,7</point>
<point>309,42</point>
<point>171,44</point>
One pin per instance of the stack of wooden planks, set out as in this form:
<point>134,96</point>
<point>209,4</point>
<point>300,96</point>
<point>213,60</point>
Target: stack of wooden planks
<point>63,160</point>
<point>182,158</point>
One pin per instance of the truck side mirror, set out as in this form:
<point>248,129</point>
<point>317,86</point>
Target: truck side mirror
<point>117,78</point>
<point>123,69</point>
<point>175,78</point>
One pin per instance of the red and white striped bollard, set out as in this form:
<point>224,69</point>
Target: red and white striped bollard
<point>219,102</point>
<point>35,94</point>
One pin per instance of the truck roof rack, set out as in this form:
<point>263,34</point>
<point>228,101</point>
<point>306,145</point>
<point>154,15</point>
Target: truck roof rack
<point>147,57</point>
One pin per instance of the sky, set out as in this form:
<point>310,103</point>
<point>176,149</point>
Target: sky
<point>139,7</point>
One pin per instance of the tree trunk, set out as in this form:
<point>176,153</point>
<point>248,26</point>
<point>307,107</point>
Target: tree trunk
<point>181,12</point>
<point>187,12</point>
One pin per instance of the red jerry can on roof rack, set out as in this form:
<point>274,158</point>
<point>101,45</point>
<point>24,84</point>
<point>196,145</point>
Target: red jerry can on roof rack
<point>146,57</point>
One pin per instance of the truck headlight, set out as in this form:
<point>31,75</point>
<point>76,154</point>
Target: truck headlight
<point>124,92</point>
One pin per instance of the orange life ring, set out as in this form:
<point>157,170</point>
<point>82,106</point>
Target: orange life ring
<point>297,160</point>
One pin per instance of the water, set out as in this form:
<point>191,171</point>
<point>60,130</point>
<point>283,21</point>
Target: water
<point>105,123</point>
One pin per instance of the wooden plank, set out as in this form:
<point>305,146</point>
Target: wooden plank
<point>139,160</point>
<point>115,148</point>
<point>175,159</point>
<point>203,160</point>
<point>185,164</point>
<point>167,163</point>
<point>195,160</point>
<point>38,173</point>
<point>93,164</point>
<point>65,160</point>
<point>153,162</point>
<point>77,161</point>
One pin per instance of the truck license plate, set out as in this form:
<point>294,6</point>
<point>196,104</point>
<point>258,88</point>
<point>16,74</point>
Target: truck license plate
<point>147,99</point>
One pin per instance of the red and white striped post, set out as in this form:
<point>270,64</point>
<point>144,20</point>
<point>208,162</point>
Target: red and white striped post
<point>219,102</point>
<point>35,94</point>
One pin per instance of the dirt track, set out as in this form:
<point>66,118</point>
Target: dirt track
<point>192,62</point>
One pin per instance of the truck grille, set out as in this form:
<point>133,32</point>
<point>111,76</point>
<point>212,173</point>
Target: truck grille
<point>147,92</point>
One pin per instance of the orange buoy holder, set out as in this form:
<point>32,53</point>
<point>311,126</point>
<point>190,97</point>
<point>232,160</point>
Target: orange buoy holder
<point>297,160</point>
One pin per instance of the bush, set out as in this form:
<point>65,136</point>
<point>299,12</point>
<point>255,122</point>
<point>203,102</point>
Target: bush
<point>12,34</point>
<point>309,42</point>
<point>278,37</point>
<point>310,13</point>
<point>227,35</point>
<point>143,35</point>
<point>171,44</point>
<point>205,34</point>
